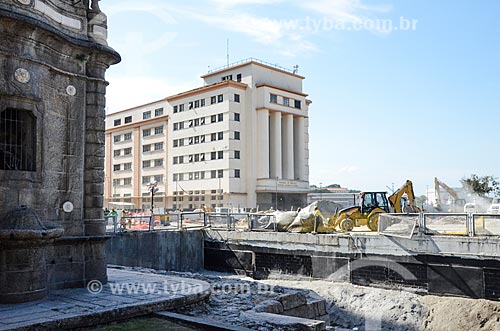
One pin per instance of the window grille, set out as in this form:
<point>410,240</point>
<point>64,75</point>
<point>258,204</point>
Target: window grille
<point>17,140</point>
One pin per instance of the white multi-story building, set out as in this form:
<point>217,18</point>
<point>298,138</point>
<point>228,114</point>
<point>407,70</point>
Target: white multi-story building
<point>241,140</point>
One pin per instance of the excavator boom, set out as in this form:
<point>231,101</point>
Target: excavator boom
<point>395,198</point>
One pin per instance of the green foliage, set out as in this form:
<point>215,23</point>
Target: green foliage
<point>482,186</point>
<point>334,186</point>
<point>420,200</point>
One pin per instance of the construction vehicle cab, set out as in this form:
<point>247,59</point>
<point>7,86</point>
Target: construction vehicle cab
<point>373,200</point>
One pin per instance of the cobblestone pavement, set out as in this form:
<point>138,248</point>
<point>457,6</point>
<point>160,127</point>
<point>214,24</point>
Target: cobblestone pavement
<point>128,294</point>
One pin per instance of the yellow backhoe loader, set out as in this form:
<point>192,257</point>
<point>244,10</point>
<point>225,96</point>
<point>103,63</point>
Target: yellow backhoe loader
<point>372,205</point>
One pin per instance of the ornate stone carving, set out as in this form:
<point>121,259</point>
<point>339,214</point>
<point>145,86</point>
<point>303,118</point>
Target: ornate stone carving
<point>71,90</point>
<point>22,75</point>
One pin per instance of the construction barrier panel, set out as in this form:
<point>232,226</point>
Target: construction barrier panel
<point>398,225</point>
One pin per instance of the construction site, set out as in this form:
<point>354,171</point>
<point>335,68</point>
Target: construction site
<point>385,264</point>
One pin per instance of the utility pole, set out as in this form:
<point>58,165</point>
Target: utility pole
<point>320,191</point>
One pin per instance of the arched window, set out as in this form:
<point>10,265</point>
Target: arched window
<point>17,140</point>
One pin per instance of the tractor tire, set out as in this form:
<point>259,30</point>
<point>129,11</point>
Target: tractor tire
<point>373,222</point>
<point>346,225</point>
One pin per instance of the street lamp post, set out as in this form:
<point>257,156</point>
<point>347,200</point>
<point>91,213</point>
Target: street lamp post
<point>320,191</point>
<point>153,188</point>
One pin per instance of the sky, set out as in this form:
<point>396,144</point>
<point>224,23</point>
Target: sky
<point>400,89</point>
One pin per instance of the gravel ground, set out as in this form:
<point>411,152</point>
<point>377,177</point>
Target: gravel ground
<point>350,307</point>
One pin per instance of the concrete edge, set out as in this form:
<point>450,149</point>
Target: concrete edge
<point>208,325</point>
<point>123,313</point>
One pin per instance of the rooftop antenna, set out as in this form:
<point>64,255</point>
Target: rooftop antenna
<point>228,52</point>
<point>296,69</point>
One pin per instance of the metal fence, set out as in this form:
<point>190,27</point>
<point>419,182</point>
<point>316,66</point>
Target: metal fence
<point>405,225</point>
<point>397,225</point>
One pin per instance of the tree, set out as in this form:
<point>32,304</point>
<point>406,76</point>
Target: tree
<point>333,186</point>
<point>419,201</point>
<point>482,186</point>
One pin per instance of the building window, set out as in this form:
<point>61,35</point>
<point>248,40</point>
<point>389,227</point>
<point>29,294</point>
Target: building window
<point>237,155</point>
<point>236,173</point>
<point>236,135</point>
<point>220,98</point>
<point>213,155</point>
<point>197,104</point>
<point>158,178</point>
<point>220,173</point>
<point>117,152</point>
<point>127,166</point>
<point>118,122</point>
<point>146,179</point>
<point>159,163</point>
<point>127,136</point>
<point>159,130</point>
<point>117,167</point>
<point>237,117</point>
<point>127,181</point>
<point>117,139</point>
<point>128,119</point>
<point>146,164</point>
<point>237,98</point>
<point>17,140</point>
<point>213,174</point>
<point>146,133</point>
<point>220,155</point>
<point>213,100</point>
<point>213,118</point>
<point>158,112</point>
<point>273,98</point>
<point>127,151</point>
<point>298,104</point>
<point>213,136</point>
<point>228,77</point>
<point>146,148</point>
<point>176,160</point>
<point>176,109</point>
<point>181,108</point>
<point>196,122</point>
<point>202,102</point>
<point>220,136</point>
<point>176,126</point>
<point>220,117</point>
<point>181,159</point>
<point>116,182</point>
<point>158,146</point>
<point>146,115</point>
<point>191,105</point>
<point>238,78</point>
<point>286,101</point>
<point>181,142</point>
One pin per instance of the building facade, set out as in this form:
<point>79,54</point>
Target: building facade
<point>239,141</point>
<point>136,155</point>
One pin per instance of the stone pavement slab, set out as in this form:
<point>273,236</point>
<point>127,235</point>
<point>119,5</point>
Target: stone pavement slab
<point>128,294</point>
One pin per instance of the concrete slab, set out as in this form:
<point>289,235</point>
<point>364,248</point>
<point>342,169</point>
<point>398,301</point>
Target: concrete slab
<point>297,323</point>
<point>128,294</point>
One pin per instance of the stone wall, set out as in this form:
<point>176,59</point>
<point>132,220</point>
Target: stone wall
<point>161,250</point>
<point>53,66</point>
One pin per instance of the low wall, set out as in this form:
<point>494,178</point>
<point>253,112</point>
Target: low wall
<point>160,250</point>
<point>459,266</point>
